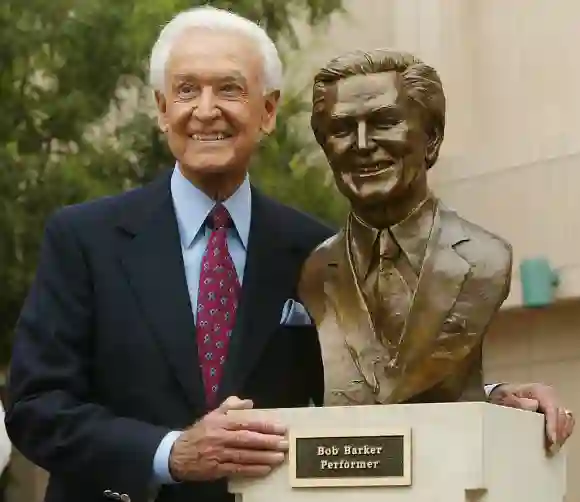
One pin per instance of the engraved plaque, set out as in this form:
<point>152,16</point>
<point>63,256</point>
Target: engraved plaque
<point>350,458</point>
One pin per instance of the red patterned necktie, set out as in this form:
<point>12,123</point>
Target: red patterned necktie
<point>216,303</point>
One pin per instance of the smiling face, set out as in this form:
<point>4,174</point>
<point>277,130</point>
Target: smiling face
<point>375,139</point>
<point>214,109</point>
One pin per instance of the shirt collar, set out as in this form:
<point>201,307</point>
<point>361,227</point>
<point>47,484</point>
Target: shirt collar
<point>192,207</point>
<point>411,234</point>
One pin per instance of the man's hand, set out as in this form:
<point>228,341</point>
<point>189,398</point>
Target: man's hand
<point>218,446</point>
<point>542,398</point>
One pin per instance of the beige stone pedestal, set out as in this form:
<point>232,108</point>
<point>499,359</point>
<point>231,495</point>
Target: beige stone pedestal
<point>457,452</point>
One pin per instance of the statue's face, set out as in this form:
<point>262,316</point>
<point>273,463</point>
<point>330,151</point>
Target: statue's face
<point>375,139</point>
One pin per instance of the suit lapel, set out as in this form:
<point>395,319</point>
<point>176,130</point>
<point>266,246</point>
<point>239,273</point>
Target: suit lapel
<point>351,311</point>
<point>152,260</point>
<point>270,276</point>
<point>441,279</point>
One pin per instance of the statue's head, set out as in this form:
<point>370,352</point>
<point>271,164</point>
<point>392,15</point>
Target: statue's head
<point>379,116</point>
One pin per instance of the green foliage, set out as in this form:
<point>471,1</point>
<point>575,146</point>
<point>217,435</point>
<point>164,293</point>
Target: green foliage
<point>289,168</point>
<point>66,66</point>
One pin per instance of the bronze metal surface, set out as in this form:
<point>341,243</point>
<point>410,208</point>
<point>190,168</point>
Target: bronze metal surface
<point>402,296</point>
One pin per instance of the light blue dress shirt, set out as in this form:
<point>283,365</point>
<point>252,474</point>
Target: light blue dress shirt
<point>192,207</point>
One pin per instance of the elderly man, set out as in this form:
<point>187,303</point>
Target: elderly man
<point>152,309</point>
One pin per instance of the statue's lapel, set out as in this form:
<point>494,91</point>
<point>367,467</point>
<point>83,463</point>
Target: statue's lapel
<point>441,279</point>
<point>351,312</point>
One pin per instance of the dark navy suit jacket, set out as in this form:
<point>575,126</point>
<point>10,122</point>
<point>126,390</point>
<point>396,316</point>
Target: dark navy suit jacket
<point>105,360</point>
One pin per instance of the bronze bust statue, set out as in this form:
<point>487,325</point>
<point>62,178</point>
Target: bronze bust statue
<point>403,295</point>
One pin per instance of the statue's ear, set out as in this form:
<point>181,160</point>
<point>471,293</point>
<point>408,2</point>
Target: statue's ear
<point>433,146</point>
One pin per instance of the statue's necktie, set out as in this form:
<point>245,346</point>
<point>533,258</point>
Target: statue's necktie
<point>391,293</point>
<point>217,302</point>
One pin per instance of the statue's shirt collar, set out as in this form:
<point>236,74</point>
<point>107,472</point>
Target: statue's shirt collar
<point>410,235</point>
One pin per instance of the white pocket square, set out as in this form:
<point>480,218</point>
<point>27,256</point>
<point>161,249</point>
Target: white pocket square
<point>294,314</point>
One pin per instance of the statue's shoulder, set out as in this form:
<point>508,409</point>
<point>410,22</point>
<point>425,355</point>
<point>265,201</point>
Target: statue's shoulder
<point>315,267</point>
<point>488,253</point>
<point>329,250</point>
<point>325,254</point>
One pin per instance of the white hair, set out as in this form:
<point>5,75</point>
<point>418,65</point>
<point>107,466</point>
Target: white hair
<point>213,18</point>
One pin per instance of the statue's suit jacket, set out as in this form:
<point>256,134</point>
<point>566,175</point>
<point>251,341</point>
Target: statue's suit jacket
<point>464,278</point>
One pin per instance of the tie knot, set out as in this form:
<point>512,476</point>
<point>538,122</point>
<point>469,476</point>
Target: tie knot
<point>388,248</point>
<point>219,217</point>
